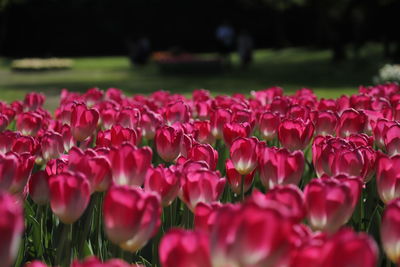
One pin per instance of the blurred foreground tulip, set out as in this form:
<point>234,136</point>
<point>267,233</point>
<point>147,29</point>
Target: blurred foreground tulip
<point>11,228</point>
<point>330,202</point>
<point>181,248</point>
<point>69,196</point>
<point>131,216</point>
<point>390,231</point>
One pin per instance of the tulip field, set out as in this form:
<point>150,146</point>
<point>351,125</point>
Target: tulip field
<point>168,180</point>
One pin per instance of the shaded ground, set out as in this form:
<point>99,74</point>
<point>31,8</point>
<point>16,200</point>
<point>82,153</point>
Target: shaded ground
<point>291,69</point>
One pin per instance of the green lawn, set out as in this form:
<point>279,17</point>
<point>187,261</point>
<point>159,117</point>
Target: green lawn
<point>291,68</point>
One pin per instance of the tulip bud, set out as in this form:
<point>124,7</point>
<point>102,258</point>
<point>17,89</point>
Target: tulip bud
<point>330,202</point>
<point>181,248</point>
<point>69,196</point>
<point>295,134</point>
<point>280,167</point>
<point>131,216</point>
<point>390,234</point>
<point>130,164</point>
<point>11,228</point>
<point>83,121</point>
<point>168,141</point>
<point>244,154</point>
<point>202,186</point>
<point>165,182</point>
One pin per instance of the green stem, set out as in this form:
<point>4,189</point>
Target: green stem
<point>242,188</point>
<point>64,251</point>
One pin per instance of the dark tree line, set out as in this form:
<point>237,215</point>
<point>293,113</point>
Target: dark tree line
<point>96,27</point>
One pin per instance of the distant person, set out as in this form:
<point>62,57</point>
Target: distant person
<point>225,36</point>
<point>139,51</point>
<point>245,47</point>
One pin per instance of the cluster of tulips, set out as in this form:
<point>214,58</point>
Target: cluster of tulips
<point>224,181</point>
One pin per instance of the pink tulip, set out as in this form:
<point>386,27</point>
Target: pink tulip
<point>206,153</point>
<point>52,145</point>
<point>69,196</point>
<point>11,228</point>
<point>268,124</point>
<point>23,144</point>
<point>83,121</point>
<point>250,236</point>
<point>8,169</point>
<point>131,216</point>
<point>218,118</point>
<point>243,154</point>
<point>350,122</point>
<point>130,164</point>
<point>33,101</point>
<point>202,186</point>
<point>235,178</point>
<point>295,134</point>
<point>94,262</point>
<point>347,248</point>
<point>380,129</point>
<point>233,130</point>
<point>23,172</point>
<point>165,182</point>
<point>392,140</point>
<point>388,178</point>
<point>177,112</point>
<point>4,121</point>
<point>325,122</point>
<point>390,231</point>
<point>205,215</point>
<point>289,198</point>
<point>35,263</point>
<point>149,122</point>
<point>168,141</point>
<point>280,167</point>
<point>29,123</point>
<point>330,202</point>
<point>181,248</point>
<point>38,188</point>
<point>203,134</point>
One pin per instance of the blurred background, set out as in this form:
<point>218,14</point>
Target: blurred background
<point>226,46</point>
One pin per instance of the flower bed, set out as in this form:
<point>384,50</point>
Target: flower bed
<point>165,180</point>
<point>41,64</point>
<point>186,63</point>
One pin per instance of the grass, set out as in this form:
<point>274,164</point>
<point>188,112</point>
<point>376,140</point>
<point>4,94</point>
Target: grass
<point>290,68</point>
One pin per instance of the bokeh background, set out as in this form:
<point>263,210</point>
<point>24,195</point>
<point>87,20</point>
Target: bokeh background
<point>331,46</point>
